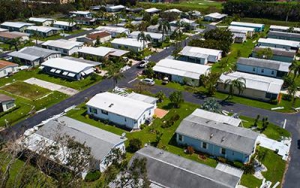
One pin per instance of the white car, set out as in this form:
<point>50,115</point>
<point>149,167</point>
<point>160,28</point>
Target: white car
<point>148,81</point>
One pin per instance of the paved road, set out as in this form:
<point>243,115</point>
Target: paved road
<point>293,125</point>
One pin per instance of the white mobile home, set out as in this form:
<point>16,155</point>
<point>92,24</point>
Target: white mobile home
<point>67,26</point>
<point>15,26</point>
<point>245,30</point>
<point>200,55</point>
<point>7,68</point>
<point>257,87</point>
<point>67,68</point>
<point>65,47</point>
<point>129,44</point>
<point>155,37</point>
<point>279,43</point>
<point>41,21</point>
<point>121,110</point>
<point>255,26</point>
<point>114,31</point>
<point>212,17</point>
<point>42,31</point>
<point>84,14</point>
<point>180,71</point>
<point>6,103</point>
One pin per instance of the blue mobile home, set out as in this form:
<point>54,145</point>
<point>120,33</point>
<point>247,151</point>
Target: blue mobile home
<point>219,139</point>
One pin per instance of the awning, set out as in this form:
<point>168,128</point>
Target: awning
<point>58,71</point>
<point>89,71</point>
<point>52,70</point>
<point>71,74</point>
<point>41,67</point>
<point>65,73</point>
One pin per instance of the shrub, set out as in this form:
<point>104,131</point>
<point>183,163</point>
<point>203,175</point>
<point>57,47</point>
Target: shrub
<point>222,160</point>
<point>190,150</point>
<point>167,124</point>
<point>143,126</point>
<point>174,118</point>
<point>238,164</point>
<point>92,176</point>
<point>249,168</point>
<point>87,116</point>
<point>134,144</point>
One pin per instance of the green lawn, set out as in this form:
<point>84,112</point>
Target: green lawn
<point>272,131</point>
<point>25,107</point>
<point>201,5</point>
<point>36,73</point>
<point>275,170</point>
<point>269,21</point>
<point>25,90</point>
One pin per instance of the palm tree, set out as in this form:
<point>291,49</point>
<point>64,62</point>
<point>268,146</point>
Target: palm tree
<point>239,84</point>
<point>161,96</point>
<point>116,76</point>
<point>164,27</point>
<point>143,38</point>
<point>212,105</point>
<point>209,82</point>
<point>292,90</point>
<point>14,43</point>
<point>295,67</point>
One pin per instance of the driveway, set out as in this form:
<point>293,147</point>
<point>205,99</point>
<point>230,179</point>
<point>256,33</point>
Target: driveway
<point>52,86</point>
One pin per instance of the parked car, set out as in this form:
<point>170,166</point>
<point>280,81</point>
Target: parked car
<point>165,80</point>
<point>143,64</point>
<point>148,81</point>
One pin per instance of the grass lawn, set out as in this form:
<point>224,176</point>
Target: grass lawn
<point>36,73</point>
<point>272,131</point>
<point>268,21</point>
<point>26,90</point>
<point>275,170</point>
<point>25,107</point>
<point>184,5</point>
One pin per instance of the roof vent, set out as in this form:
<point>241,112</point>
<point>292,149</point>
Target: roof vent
<point>223,138</point>
<point>211,135</point>
<point>110,105</point>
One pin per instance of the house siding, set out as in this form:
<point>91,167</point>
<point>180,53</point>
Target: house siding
<point>284,37</point>
<point>122,120</point>
<point>260,71</point>
<point>7,70</point>
<point>7,105</point>
<point>213,149</point>
<point>249,93</point>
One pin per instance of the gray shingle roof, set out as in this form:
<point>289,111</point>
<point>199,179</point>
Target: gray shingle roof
<point>264,63</point>
<point>100,141</point>
<point>169,170</point>
<point>32,53</point>
<point>278,51</point>
<point>284,34</point>
<point>226,136</point>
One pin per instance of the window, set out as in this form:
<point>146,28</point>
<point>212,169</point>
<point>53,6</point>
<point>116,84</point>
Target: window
<point>204,145</point>
<point>4,71</point>
<point>125,119</point>
<point>253,69</point>
<point>272,72</point>
<point>149,112</point>
<point>262,70</point>
<point>93,110</point>
<point>233,153</point>
<point>144,117</point>
<point>223,151</point>
<point>10,105</point>
<point>180,137</point>
<point>104,112</point>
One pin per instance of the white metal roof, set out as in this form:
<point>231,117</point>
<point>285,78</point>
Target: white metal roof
<point>62,43</point>
<point>199,52</point>
<point>219,118</point>
<point>141,97</point>
<point>116,7</point>
<point>100,51</point>
<point>152,10</point>
<point>80,12</point>
<point>247,24</point>
<point>135,34</point>
<point>128,42</point>
<point>43,29</point>
<point>295,44</point>
<point>237,28</point>
<point>174,10</point>
<point>111,29</point>
<point>40,20</point>
<point>67,65</point>
<point>16,24</point>
<point>123,106</point>
<point>216,15</point>
<point>256,82</point>
<point>63,23</point>
<point>278,27</point>
<point>181,68</point>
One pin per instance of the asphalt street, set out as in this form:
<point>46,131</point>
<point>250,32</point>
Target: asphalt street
<point>292,179</point>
